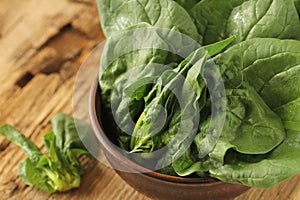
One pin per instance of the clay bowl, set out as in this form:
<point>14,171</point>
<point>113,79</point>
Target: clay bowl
<point>153,184</point>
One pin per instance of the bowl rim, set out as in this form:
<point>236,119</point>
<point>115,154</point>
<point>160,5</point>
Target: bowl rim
<point>108,145</point>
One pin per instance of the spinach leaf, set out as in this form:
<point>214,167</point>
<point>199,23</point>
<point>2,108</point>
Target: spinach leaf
<point>61,170</point>
<point>187,4</point>
<point>33,175</point>
<point>139,89</point>
<point>144,136</point>
<point>245,19</point>
<point>115,62</point>
<point>272,67</point>
<point>250,126</point>
<point>66,129</point>
<point>119,69</point>
<point>186,165</point>
<point>218,47</point>
<point>297,5</point>
<point>130,48</point>
<point>154,117</point>
<point>121,14</point>
<point>279,164</point>
<point>29,148</point>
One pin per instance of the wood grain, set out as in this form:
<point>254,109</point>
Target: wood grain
<point>42,45</point>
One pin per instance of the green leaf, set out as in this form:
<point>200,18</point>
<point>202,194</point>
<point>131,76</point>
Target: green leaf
<point>251,127</point>
<point>29,148</point>
<point>185,165</point>
<point>43,161</point>
<point>158,111</point>
<point>245,19</point>
<point>32,175</point>
<point>67,130</point>
<point>61,170</point>
<point>146,59</point>
<point>214,49</point>
<point>297,5</point>
<point>138,89</point>
<point>264,172</point>
<point>272,67</point>
<point>22,172</point>
<point>187,4</point>
<point>118,15</point>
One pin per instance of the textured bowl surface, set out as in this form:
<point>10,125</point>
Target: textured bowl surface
<point>153,184</point>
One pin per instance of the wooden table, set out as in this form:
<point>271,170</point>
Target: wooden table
<point>42,45</point>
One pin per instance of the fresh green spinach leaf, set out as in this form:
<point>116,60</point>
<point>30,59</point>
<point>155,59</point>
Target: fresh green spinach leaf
<point>297,5</point>
<point>245,19</point>
<point>187,4</point>
<point>61,170</point>
<point>118,15</point>
<point>272,67</point>
<point>278,165</point>
<point>251,127</point>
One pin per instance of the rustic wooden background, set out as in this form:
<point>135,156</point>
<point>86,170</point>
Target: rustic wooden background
<point>42,45</point>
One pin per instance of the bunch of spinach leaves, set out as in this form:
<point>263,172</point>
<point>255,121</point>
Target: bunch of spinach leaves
<point>253,135</point>
<point>61,169</point>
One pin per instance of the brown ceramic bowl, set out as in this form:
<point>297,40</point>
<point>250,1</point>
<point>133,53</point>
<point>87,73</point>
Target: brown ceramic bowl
<point>153,184</point>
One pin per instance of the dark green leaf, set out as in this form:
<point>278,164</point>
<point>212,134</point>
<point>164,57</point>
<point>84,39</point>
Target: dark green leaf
<point>279,165</point>
<point>272,67</point>
<point>187,4</point>
<point>297,5</point>
<point>69,131</point>
<point>245,19</point>
<point>118,15</point>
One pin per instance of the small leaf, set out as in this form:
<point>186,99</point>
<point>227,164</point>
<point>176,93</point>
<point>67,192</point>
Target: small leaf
<point>214,49</point>
<point>29,148</point>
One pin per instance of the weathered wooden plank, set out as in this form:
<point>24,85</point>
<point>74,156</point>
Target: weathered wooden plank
<point>33,25</point>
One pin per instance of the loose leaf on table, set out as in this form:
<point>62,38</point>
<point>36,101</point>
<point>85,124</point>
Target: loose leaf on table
<point>245,19</point>
<point>29,148</point>
<point>33,175</point>
<point>70,132</point>
<point>61,170</point>
<point>272,68</point>
<point>263,170</point>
